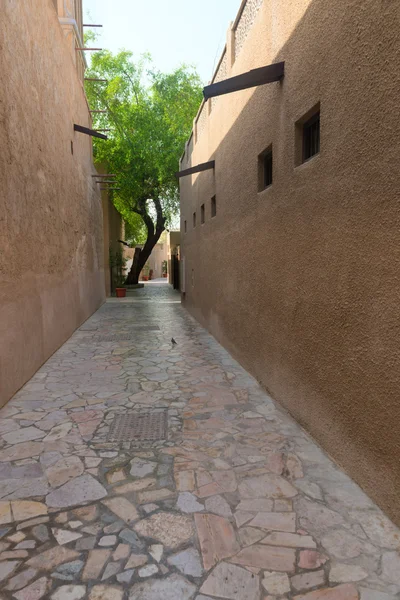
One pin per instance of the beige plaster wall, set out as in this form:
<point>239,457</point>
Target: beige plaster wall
<point>301,282</point>
<point>51,230</point>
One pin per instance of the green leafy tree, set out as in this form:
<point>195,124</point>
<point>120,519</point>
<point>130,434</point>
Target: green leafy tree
<point>150,115</point>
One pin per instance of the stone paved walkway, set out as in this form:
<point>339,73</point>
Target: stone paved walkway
<point>237,504</point>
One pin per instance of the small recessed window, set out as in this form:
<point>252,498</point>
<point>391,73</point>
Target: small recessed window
<point>202,214</point>
<point>214,206</point>
<point>185,226</point>
<point>265,169</point>
<point>194,219</point>
<point>311,137</point>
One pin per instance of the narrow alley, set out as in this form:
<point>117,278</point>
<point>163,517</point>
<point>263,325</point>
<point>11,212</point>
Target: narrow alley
<point>135,468</point>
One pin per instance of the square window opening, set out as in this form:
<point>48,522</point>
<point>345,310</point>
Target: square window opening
<point>202,214</point>
<point>308,135</point>
<point>265,169</point>
<point>214,206</point>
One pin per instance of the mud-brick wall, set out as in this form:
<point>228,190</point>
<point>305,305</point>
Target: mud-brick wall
<point>51,231</point>
<point>301,281</point>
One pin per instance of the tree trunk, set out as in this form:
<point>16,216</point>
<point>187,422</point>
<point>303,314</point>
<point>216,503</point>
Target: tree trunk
<point>141,256</point>
<point>153,235</point>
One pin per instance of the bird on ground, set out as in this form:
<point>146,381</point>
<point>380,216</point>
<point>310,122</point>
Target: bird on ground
<point>173,341</point>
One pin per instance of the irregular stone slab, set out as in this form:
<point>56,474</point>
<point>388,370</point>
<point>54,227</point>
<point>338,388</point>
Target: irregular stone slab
<point>63,470</point>
<point>136,560</point>
<point>311,489</point>
<point>242,517</point>
<point>116,476</point>
<point>50,559</point>
<point>32,522</point>
<point>270,486</point>
<point>174,587</point>
<point>25,434</point>
<point>108,540</point>
<point>231,582</point>
<point>106,592</point>
<point>290,540</point>
<point>121,507</point>
<point>5,513</point>
<point>148,571</point>
<point>311,559</point>
<point>267,557</point>
<point>34,591</point>
<point>187,503</point>
<point>154,495</point>
<point>73,568</point>
<point>307,581</point>
<point>58,432</point>
<point>256,505</point>
<point>219,506</point>
<point>315,517</point>
<point>21,580</point>
<point>81,489</point>
<point>69,592</point>
<point>126,576</point>
<point>187,562</point>
<point>391,567</point>
<point>122,551</point>
<point>131,538</point>
<point>169,529</point>
<point>140,467</point>
<point>276,583</point>
<point>135,486</point>
<point>217,539</point>
<point>63,536</point>
<point>24,488</point>
<point>368,594</point>
<point>249,536</point>
<point>226,480</point>
<point>378,528</point>
<point>341,573</point>
<point>41,533</point>
<point>341,592</point>
<point>156,551</point>
<point>275,521</point>
<point>95,563</point>
<point>344,544</point>
<point>185,481</point>
<point>6,568</point>
<point>111,569</point>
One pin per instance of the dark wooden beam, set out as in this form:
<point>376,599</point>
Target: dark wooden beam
<point>91,25</point>
<point>98,111</point>
<point>106,181</point>
<point>89,49</point>
<point>88,131</point>
<point>252,78</point>
<point>94,79</point>
<point>103,175</point>
<point>203,167</point>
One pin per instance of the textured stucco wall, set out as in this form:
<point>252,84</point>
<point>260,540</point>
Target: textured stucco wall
<point>301,281</point>
<point>51,230</point>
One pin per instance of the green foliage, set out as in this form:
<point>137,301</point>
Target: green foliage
<point>164,266</point>
<point>150,114</point>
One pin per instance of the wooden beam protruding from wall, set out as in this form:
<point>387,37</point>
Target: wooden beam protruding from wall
<point>90,132</point>
<point>252,78</point>
<point>203,167</point>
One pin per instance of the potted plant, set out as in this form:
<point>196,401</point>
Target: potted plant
<point>145,272</point>
<point>164,268</point>
<point>120,290</point>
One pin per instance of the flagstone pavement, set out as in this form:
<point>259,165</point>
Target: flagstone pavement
<point>238,503</point>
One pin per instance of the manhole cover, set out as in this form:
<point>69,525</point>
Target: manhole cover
<point>139,427</point>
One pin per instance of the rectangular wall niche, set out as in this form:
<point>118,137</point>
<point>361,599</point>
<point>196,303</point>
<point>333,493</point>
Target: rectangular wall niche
<point>194,219</point>
<point>202,214</point>
<point>265,168</point>
<point>214,206</point>
<point>307,136</point>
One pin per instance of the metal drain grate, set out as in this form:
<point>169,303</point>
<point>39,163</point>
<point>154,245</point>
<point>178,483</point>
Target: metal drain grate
<point>139,427</point>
